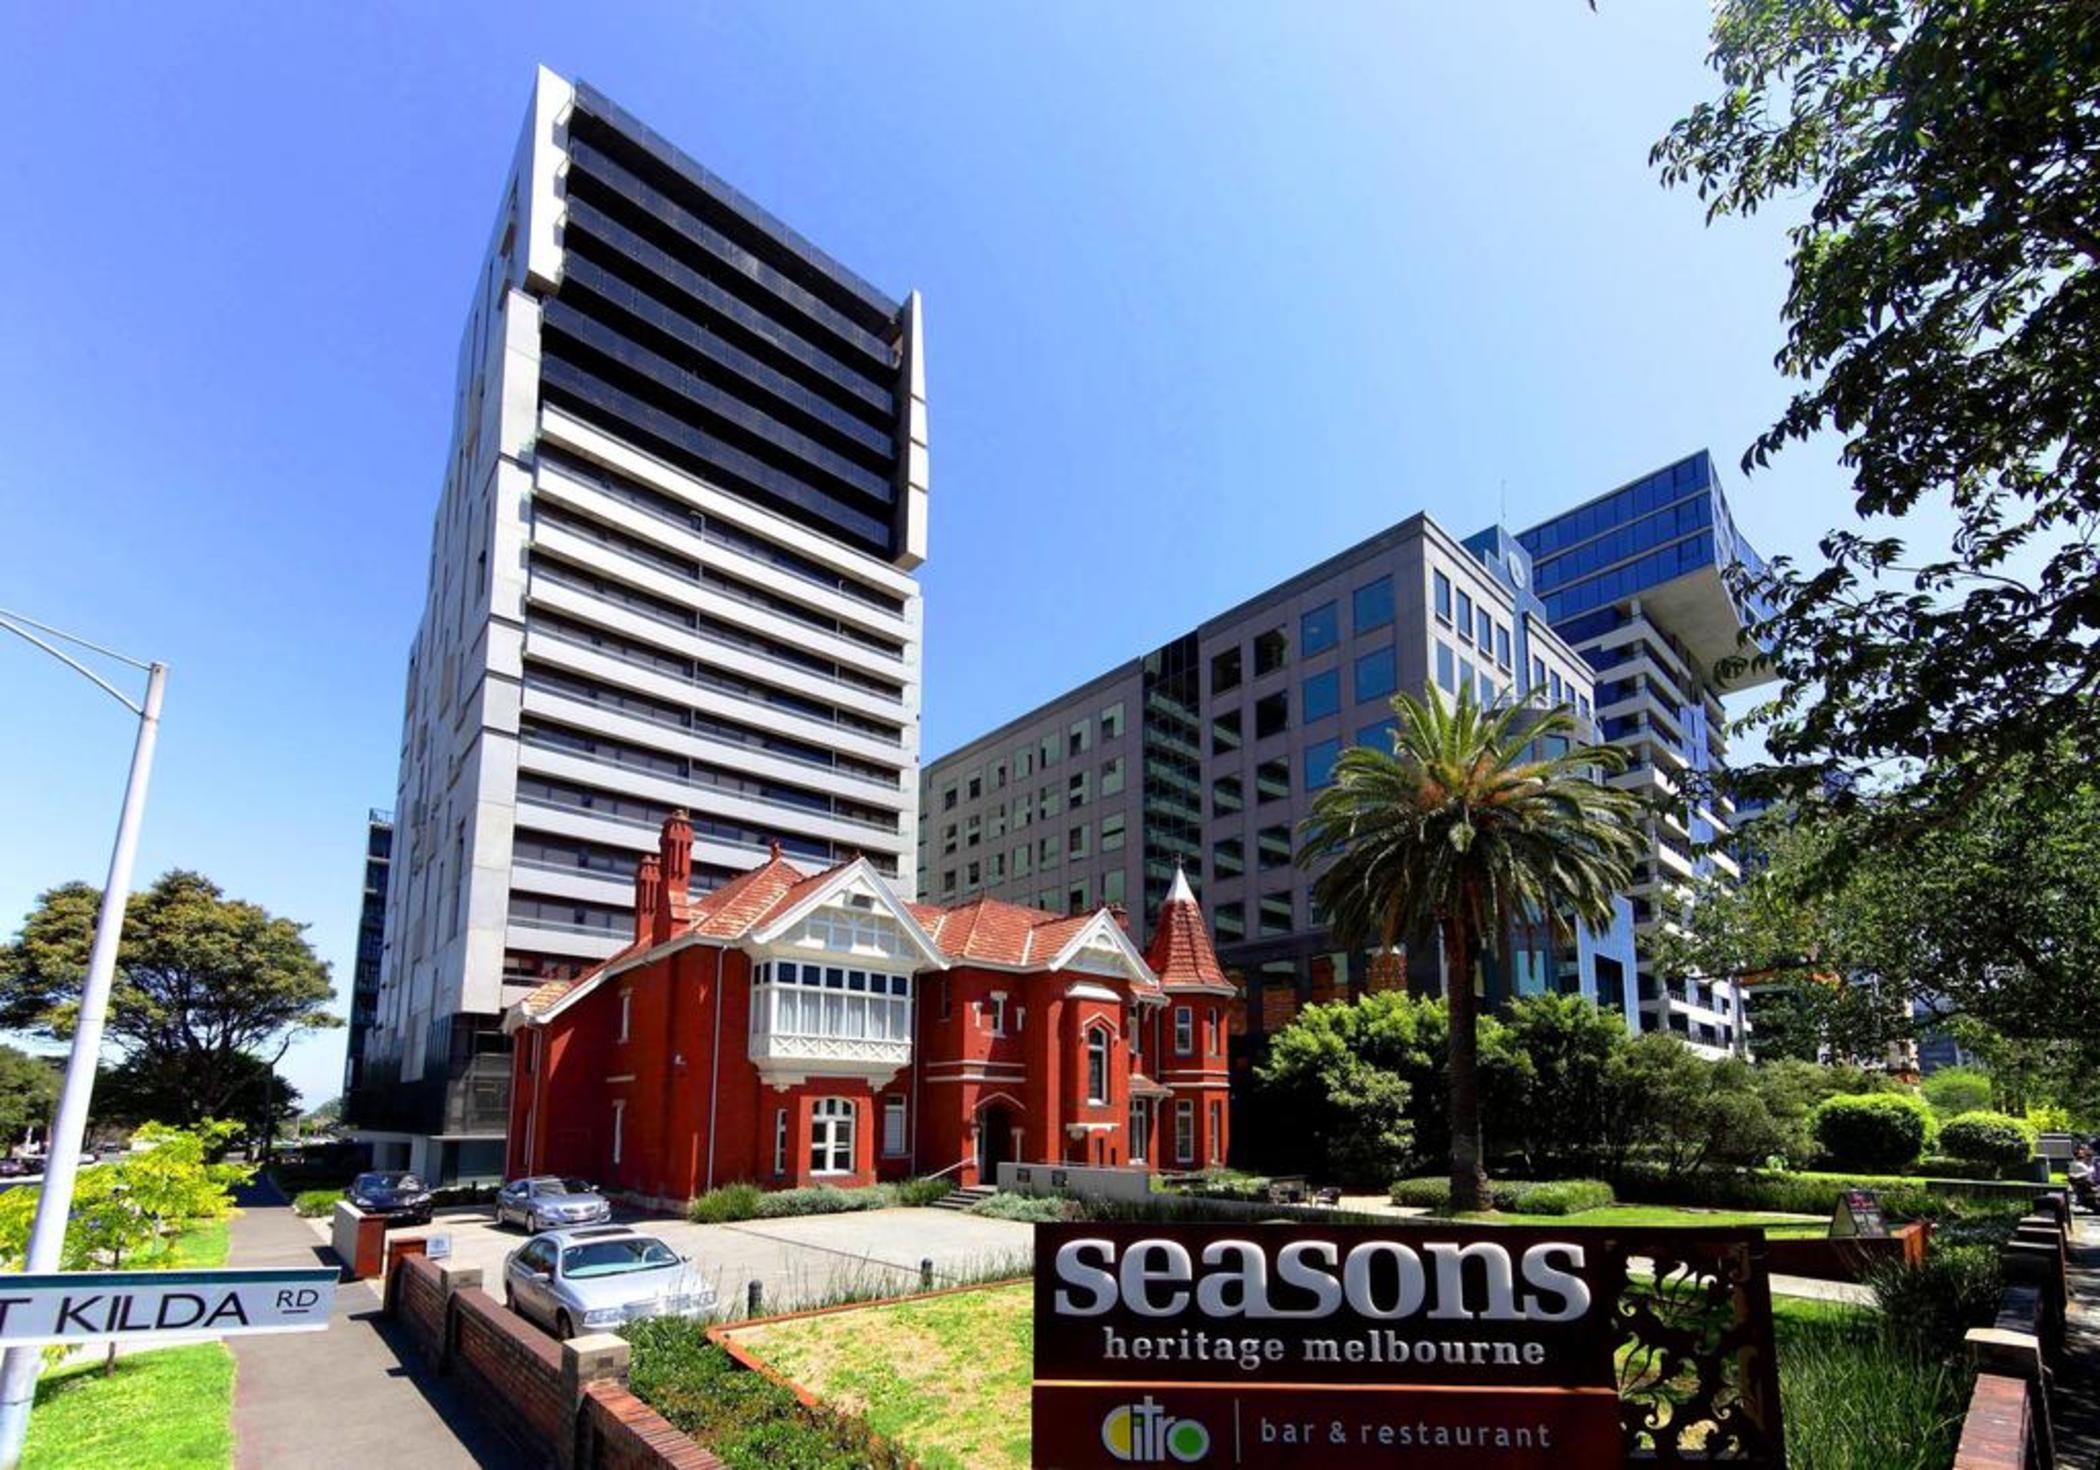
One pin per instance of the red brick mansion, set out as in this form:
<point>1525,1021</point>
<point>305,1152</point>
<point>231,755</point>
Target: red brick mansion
<point>795,1028</point>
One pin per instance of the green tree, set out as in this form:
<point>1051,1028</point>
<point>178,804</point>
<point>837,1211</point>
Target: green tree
<point>28,1093</point>
<point>1670,1107</point>
<point>1953,1090</point>
<point>1944,321</point>
<point>205,985</point>
<point>1560,1048</point>
<point>1992,914</point>
<point>1476,820</point>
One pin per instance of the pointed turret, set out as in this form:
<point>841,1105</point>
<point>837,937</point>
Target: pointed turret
<point>1181,953</point>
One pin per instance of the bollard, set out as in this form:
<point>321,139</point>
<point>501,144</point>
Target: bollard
<point>926,1273</point>
<point>754,1299</point>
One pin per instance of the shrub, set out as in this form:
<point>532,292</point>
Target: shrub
<point>921,1192</point>
<point>1563,1197</point>
<point>1855,1402</point>
<point>743,1418</point>
<point>730,1202</point>
<point>313,1203</point>
<point>1988,1138</point>
<point>1036,1209</point>
<point>1875,1131</point>
<point>1927,1309</point>
<point>1433,1192</point>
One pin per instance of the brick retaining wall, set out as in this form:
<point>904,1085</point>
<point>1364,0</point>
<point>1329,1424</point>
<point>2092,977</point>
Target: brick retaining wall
<point>565,1404</point>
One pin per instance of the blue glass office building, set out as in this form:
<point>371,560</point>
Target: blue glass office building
<point>1636,580</point>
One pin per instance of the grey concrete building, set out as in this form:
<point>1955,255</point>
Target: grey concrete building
<point>1207,751</point>
<point>671,567</point>
<point>371,946</point>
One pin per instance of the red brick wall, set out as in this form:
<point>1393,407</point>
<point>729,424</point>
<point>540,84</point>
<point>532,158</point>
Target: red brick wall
<point>626,1434</point>
<point>514,1372</point>
<point>2000,1423</point>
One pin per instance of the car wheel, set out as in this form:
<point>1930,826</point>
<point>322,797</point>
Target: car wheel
<point>564,1329</point>
<point>532,1225</point>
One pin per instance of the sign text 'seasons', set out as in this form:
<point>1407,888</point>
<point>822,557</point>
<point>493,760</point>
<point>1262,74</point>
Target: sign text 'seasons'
<point>1311,1344</point>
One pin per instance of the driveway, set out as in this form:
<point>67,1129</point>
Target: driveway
<point>797,1262</point>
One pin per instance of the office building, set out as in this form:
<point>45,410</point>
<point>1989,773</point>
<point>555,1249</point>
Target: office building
<point>371,944</point>
<point>1637,581</point>
<point>796,1028</point>
<point>1205,754</point>
<point>671,569</point>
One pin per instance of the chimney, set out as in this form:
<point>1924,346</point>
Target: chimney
<point>648,891</point>
<point>675,848</point>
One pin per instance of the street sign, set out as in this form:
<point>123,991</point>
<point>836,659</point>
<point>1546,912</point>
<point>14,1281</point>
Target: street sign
<point>1858,1217</point>
<point>94,1306</point>
<point>1440,1344</point>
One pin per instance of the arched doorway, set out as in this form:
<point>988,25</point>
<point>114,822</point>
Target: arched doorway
<point>995,1140</point>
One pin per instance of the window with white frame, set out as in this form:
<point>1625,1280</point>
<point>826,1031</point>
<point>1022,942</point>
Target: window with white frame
<point>1185,1132</point>
<point>1217,1130</point>
<point>619,1127</point>
<point>807,1002</point>
<point>995,1012</point>
<point>845,931</point>
<point>831,1136</point>
<point>1097,1051</point>
<point>1140,1131</point>
<point>626,1014</point>
<point>1184,1030</point>
<point>894,1136</point>
<point>780,1140</point>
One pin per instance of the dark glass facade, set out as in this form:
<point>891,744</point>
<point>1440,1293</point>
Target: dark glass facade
<point>692,323</point>
<point>371,945</point>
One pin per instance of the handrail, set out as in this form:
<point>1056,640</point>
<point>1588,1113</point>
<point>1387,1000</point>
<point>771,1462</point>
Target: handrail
<point>965,1159</point>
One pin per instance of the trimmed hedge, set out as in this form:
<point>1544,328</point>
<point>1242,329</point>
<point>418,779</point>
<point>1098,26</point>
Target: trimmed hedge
<point>1033,1209</point>
<point>1984,1137</point>
<point>744,1201</point>
<point>1871,1130</point>
<point>1513,1196</point>
<point>1564,1197</point>
<point>1814,1193</point>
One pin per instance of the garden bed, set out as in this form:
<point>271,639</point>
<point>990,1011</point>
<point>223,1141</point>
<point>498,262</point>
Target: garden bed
<point>945,1379</point>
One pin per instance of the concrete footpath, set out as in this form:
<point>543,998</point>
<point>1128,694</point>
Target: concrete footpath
<point>354,1396</point>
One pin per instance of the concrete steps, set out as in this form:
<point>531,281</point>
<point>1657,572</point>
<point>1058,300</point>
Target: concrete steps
<point>962,1199</point>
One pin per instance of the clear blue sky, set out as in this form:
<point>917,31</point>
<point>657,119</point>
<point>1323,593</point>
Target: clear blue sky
<point>1212,291</point>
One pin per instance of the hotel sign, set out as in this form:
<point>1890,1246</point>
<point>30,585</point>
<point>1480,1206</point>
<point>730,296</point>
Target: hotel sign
<point>94,1306</point>
<point>1336,1346</point>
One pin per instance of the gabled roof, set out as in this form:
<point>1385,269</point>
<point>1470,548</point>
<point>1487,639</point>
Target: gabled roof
<point>1180,952</point>
<point>758,906</point>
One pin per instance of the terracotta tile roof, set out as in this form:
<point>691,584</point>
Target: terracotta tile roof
<point>543,998</point>
<point>988,930</point>
<point>1181,953</point>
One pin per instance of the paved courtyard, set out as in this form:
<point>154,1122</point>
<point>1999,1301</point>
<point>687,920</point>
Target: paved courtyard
<point>797,1262</point>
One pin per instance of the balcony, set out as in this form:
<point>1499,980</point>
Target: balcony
<point>810,1020</point>
<point>786,1061</point>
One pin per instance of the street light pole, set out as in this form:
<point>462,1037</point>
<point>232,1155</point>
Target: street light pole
<point>47,1236</point>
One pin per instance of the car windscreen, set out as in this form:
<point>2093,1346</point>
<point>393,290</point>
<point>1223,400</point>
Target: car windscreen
<point>612,1257</point>
<point>576,1186</point>
<point>386,1181</point>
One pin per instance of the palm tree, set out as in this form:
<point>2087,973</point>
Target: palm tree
<point>1477,819</point>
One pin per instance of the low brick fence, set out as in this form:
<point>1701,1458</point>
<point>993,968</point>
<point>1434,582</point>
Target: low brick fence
<point>564,1404</point>
<point>2009,1426</point>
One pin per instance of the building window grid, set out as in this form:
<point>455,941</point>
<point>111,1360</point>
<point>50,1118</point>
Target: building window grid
<point>831,1121</point>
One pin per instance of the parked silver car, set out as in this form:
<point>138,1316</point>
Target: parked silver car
<point>550,1202</point>
<point>596,1279</point>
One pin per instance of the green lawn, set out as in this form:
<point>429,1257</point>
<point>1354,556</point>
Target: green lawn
<point>1636,1217</point>
<point>171,1406</point>
<point>946,1378</point>
<point>200,1247</point>
<point>159,1410</point>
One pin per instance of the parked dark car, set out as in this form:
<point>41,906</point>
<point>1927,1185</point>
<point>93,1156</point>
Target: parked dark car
<point>400,1198</point>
